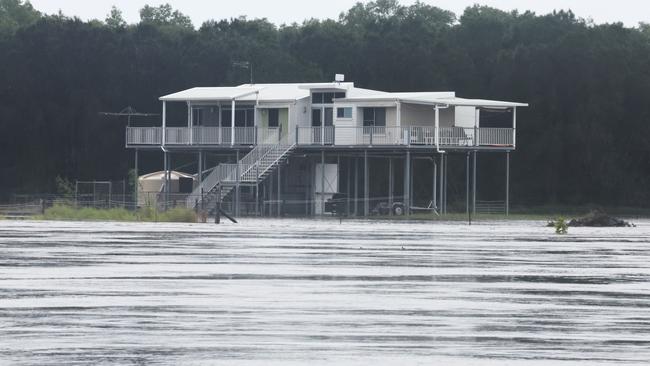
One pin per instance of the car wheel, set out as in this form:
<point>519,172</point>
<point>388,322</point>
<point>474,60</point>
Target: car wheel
<point>398,210</point>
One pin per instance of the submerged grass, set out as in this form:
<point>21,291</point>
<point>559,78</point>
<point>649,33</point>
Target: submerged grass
<point>147,214</point>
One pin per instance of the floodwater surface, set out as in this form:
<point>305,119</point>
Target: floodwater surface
<point>319,292</point>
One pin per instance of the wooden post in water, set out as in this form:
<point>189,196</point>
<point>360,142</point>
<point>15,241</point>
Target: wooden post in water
<point>217,213</point>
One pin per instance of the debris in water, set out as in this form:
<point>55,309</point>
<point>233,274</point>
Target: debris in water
<point>596,218</point>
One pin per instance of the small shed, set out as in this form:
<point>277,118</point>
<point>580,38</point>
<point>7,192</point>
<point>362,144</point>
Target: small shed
<point>150,186</point>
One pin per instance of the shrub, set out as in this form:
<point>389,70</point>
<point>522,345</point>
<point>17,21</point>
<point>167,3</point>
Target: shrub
<point>561,226</point>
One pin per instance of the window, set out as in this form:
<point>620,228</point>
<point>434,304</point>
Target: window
<point>274,117</point>
<point>243,117</point>
<point>344,112</point>
<point>325,97</point>
<point>316,117</point>
<point>196,116</point>
<point>317,98</point>
<point>374,117</point>
<point>329,116</point>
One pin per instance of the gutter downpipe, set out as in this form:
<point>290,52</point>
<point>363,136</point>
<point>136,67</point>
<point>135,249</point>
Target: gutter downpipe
<point>232,122</point>
<point>162,147</point>
<point>190,122</point>
<point>514,127</point>
<point>437,124</point>
<point>164,123</point>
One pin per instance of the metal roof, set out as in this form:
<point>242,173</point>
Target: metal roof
<point>296,91</point>
<point>263,92</point>
<point>432,98</point>
<point>210,93</point>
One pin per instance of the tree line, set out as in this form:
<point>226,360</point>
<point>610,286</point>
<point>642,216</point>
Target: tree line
<point>584,139</point>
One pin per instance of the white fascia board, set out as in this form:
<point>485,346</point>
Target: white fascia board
<point>209,94</point>
<point>480,103</point>
<point>361,104</point>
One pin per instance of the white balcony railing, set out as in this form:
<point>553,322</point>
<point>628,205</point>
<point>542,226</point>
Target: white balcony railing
<point>143,135</point>
<point>323,136</point>
<point>316,135</point>
<point>177,136</point>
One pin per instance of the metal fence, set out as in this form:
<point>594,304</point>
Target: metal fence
<point>491,207</point>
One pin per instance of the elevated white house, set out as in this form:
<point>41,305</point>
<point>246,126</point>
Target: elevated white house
<point>295,131</point>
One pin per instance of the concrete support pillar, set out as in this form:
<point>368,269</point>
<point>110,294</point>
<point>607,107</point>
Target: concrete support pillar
<point>467,211</point>
<point>407,183</point>
<point>167,179</point>
<point>366,185</point>
<point>411,191</point>
<point>136,183</point>
<point>391,186</point>
<point>347,190</point>
<point>310,189</point>
<point>279,200</point>
<point>507,183</point>
<point>271,199</point>
<point>322,182</point>
<point>356,186</point>
<point>446,181</point>
<point>434,201</point>
<point>264,198</point>
<point>474,183</point>
<point>257,189</point>
<point>442,185</point>
<point>199,169</point>
<point>237,186</point>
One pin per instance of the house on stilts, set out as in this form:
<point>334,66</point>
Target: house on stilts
<point>287,149</point>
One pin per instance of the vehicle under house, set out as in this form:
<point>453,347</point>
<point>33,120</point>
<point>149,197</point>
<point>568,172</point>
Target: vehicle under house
<point>288,149</point>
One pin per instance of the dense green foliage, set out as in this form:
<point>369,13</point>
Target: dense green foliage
<point>585,138</point>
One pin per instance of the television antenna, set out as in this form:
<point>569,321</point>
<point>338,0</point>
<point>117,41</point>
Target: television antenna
<point>128,112</point>
<point>245,65</point>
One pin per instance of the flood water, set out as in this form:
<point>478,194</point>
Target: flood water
<point>318,292</point>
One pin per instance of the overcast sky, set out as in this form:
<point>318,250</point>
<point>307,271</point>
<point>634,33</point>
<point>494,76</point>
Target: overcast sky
<point>630,12</point>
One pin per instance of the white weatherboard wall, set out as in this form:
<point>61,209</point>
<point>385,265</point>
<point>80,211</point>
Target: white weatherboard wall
<point>300,114</point>
<point>344,133</point>
<point>331,184</point>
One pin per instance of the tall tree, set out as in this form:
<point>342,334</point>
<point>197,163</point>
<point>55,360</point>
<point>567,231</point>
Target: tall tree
<point>164,15</point>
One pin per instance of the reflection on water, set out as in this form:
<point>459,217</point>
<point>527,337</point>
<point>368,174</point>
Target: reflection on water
<point>292,291</point>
